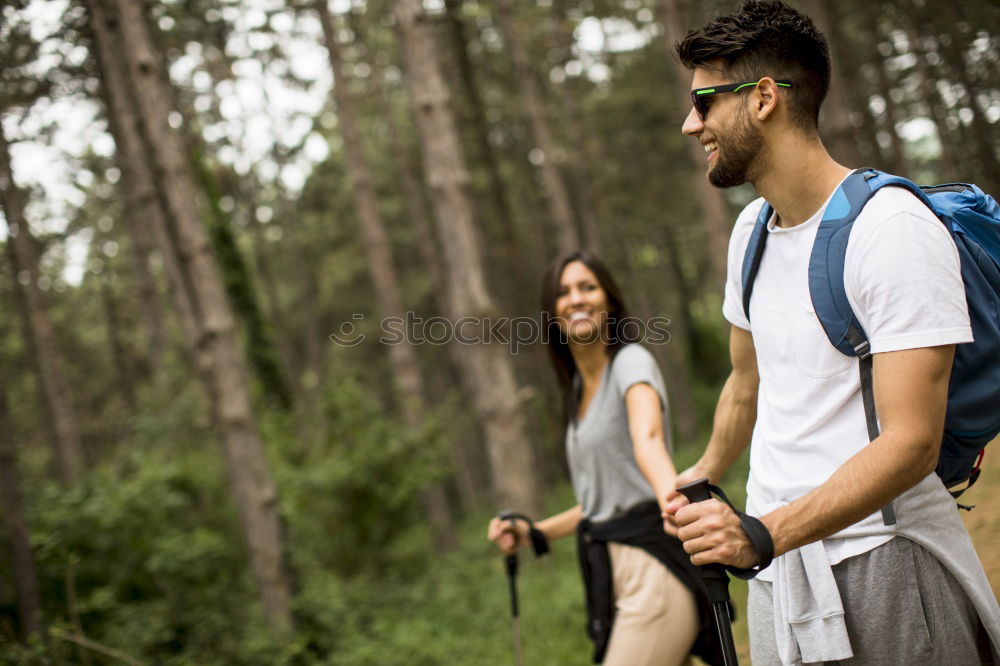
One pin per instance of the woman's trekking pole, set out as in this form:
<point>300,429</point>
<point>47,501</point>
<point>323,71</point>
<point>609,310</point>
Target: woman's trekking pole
<point>511,564</point>
<point>511,561</point>
<point>716,581</point>
<point>540,545</point>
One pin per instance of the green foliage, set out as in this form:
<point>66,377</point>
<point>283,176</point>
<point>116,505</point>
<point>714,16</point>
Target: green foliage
<point>149,548</point>
<point>353,503</point>
<point>147,558</point>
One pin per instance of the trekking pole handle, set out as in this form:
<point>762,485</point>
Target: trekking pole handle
<point>696,491</point>
<point>539,542</point>
<point>714,575</point>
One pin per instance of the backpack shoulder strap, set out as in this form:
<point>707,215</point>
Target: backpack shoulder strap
<point>826,263</point>
<point>753,254</point>
<point>826,282</point>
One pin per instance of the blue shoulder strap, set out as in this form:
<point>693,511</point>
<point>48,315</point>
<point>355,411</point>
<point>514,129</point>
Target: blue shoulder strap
<point>826,264</point>
<point>753,254</point>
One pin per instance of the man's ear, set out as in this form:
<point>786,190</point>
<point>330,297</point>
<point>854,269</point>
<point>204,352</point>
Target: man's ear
<point>765,98</point>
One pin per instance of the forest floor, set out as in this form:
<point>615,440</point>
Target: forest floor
<point>983,522</point>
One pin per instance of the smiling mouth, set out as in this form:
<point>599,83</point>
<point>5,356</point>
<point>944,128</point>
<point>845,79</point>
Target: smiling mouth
<point>580,315</point>
<point>711,149</point>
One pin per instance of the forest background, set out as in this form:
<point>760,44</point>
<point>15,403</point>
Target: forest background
<point>207,202</point>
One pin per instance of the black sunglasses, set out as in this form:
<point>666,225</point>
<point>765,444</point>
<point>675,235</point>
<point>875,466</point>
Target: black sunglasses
<point>701,98</point>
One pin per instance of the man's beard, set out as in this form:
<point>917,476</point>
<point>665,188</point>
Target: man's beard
<point>739,156</point>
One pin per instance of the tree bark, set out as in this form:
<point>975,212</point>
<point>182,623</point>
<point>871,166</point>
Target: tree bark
<point>984,146</point>
<point>835,122</point>
<point>560,209</point>
<point>678,373</point>
<point>715,212</point>
<point>225,372</point>
<point>843,53</point>
<point>486,367</point>
<point>142,212</point>
<point>381,266</point>
<point>68,451</point>
<point>149,297</point>
<point>22,559</point>
<point>884,86</point>
<point>418,214</point>
<point>116,346</point>
<point>409,179</point>
<point>591,206</point>
<point>513,255</point>
<point>936,107</point>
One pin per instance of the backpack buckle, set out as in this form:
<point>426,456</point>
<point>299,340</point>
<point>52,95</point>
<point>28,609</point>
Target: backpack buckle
<point>863,350</point>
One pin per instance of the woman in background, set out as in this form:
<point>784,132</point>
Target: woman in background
<point>645,602</point>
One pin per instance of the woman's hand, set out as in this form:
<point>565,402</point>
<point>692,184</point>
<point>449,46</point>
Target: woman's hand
<point>674,500</point>
<point>508,535</point>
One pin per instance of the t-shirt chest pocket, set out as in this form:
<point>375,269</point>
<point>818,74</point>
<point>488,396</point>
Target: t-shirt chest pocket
<point>814,355</point>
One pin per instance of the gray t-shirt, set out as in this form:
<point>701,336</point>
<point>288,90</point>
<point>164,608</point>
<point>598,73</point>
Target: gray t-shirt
<point>602,466</point>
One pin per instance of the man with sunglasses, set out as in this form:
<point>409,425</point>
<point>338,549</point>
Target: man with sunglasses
<point>847,585</point>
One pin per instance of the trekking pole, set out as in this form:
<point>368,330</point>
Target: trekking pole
<point>716,581</point>
<point>515,620</point>
<point>540,545</point>
<point>511,564</point>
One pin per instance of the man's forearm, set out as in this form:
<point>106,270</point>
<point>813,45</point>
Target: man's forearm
<point>872,478</point>
<point>911,391</point>
<point>732,428</point>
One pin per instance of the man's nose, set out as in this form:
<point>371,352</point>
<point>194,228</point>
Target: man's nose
<point>693,124</point>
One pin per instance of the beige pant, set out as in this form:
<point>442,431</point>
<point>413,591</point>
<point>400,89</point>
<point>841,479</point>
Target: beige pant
<point>656,617</point>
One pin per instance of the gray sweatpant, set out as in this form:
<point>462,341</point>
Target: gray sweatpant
<point>901,606</point>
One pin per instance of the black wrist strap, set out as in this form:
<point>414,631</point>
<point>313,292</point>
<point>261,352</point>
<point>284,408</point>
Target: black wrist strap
<point>539,542</point>
<point>758,535</point>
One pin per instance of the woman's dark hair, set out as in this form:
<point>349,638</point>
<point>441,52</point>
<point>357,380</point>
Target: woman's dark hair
<point>767,38</point>
<point>562,360</point>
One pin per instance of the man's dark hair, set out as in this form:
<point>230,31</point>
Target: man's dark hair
<point>767,38</point>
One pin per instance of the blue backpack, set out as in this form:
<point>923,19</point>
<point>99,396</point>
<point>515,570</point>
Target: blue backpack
<point>973,219</point>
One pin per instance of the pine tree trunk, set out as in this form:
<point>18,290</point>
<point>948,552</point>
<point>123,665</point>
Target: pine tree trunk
<point>409,179</point>
<point>381,266</point>
<point>678,373</point>
<point>560,209</point>
<point>418,214</point>
<point>714,212</point>
<point>835,122</point>
<point>932,98</point>
<point>983,146</point>
<point>116,346</point>
<point>487,368</point>
<point>226,372</point>
<point>149,298</point>
<point>22,559</point>
<point>844,56</point>
<point>884,86</point>
<point>144,216</point>
<point>591,206</point>
<point>68,451</point>
<point>512,255</point>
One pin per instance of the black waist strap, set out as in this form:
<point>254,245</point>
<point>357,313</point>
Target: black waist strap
<point>641,527</point>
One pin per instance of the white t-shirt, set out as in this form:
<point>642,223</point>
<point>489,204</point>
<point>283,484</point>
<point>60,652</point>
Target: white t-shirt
<point>903,279</point>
